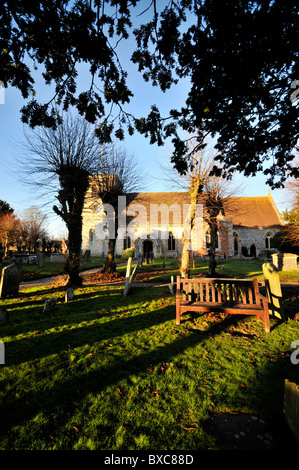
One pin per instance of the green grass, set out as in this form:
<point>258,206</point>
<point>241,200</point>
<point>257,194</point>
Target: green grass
<point>231,268</point>
<point>32,271</point>
<point>109,372</point>
<point>162,272</point>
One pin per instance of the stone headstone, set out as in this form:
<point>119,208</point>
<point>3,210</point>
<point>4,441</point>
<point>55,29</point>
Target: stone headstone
<point>285,261</point>
<point>57,258</point>
<point>291,407</point>
<point>128,274</point>
<point>50,304</point>
<point>40,259</point>
<point>130,277</point>
<point>86,256</point>
<point>20,259</point>
<point>10,281</point>
<point>273,288</point>
<point>4,317</point>
<point>32,259</point>
<point>69,294</point>
<point>2,353</point>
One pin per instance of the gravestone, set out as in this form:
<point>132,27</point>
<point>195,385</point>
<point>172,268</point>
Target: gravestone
<point>57,258</point>
<point>273,288</point>
<point>2,353</point>
<point>86,256</point>
<point>50,304</point>
<point>285,261</point>
<point>40,259</point>
<point>20,259</point>
<point>171,285</point>
<point>130,277</point>
<point>291,407</point>
<point>69,294</point>
<point>128,274</point>
<point>32,259</point>
<point>10,281</point>
<point>4,317</point>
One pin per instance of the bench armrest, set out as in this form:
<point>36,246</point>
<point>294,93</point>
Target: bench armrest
<point>264,300</point>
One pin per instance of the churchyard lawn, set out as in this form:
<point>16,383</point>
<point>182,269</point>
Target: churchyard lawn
<point>110,372</point>
<point>161,270</point>
<point>33,271</point>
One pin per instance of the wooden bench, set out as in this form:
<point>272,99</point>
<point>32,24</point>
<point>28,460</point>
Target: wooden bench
<point>233,296</point>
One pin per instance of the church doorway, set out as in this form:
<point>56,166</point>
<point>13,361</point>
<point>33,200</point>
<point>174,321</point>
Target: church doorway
<point>253,251</point>
<point>147,248</point>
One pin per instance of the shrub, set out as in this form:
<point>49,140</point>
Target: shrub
<point>129,252</point>
<point>160,256</point>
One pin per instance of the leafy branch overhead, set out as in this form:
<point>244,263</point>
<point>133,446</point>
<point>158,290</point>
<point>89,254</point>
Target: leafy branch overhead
<point>239,57</point>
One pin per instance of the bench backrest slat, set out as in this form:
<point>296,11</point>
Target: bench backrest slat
<point>233,291</point>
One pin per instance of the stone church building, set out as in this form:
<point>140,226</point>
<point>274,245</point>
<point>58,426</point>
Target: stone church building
<point>154,222</point>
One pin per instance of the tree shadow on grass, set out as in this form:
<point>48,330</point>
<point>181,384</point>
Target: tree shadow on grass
<point>75,387</point>
<point>65,395</point>
<point>34,348</point>
<point>27,316</point>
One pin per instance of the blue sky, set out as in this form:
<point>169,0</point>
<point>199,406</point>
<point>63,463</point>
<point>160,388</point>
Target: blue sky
<point>20,196</point>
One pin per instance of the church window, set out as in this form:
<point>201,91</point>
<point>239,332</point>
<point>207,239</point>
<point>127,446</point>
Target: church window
<point>127,242</point>
<point>236,244</point>
<point>171,242</point>
<point>268,241</point>
<point>208,240</point>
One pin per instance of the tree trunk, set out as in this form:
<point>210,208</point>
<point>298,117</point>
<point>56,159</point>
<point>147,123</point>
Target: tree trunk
<point>212,251</point>
<point>74,183</point>
<point>72,267</point>
<point>185,259</point>
<point>214,207</point>
<point>110,265</point>
<point>195,189</point>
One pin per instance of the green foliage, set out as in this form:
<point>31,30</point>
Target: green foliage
<point>283,245</point>
<point>160,256</point>
<point>291,216</point>
<point>242,77</point>
<point>5,208</point>
<point>129,252</point>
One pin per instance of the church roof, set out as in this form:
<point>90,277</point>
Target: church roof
<point>253,212</point>
<point>244,211</point>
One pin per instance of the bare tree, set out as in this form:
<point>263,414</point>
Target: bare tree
<point>205,188</point>
<point>120,174</point>
<point>33,226</point>
<point>60,162</point>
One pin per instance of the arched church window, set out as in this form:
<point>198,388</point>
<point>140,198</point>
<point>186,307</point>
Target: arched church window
<point>208,240</point>
<point>268,240</point>
<point>127,242</point>
<point>91,233</point>
<point>236,243</point>
<point>171,241</point>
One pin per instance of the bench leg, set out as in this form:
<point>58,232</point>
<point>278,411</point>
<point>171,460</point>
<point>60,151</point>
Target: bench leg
<point>178,316</point>
<point>266,318</point>
<point>267,323</point>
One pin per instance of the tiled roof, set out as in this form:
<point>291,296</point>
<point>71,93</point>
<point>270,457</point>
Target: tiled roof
<point>253,211</point>
<point>244,211</point>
